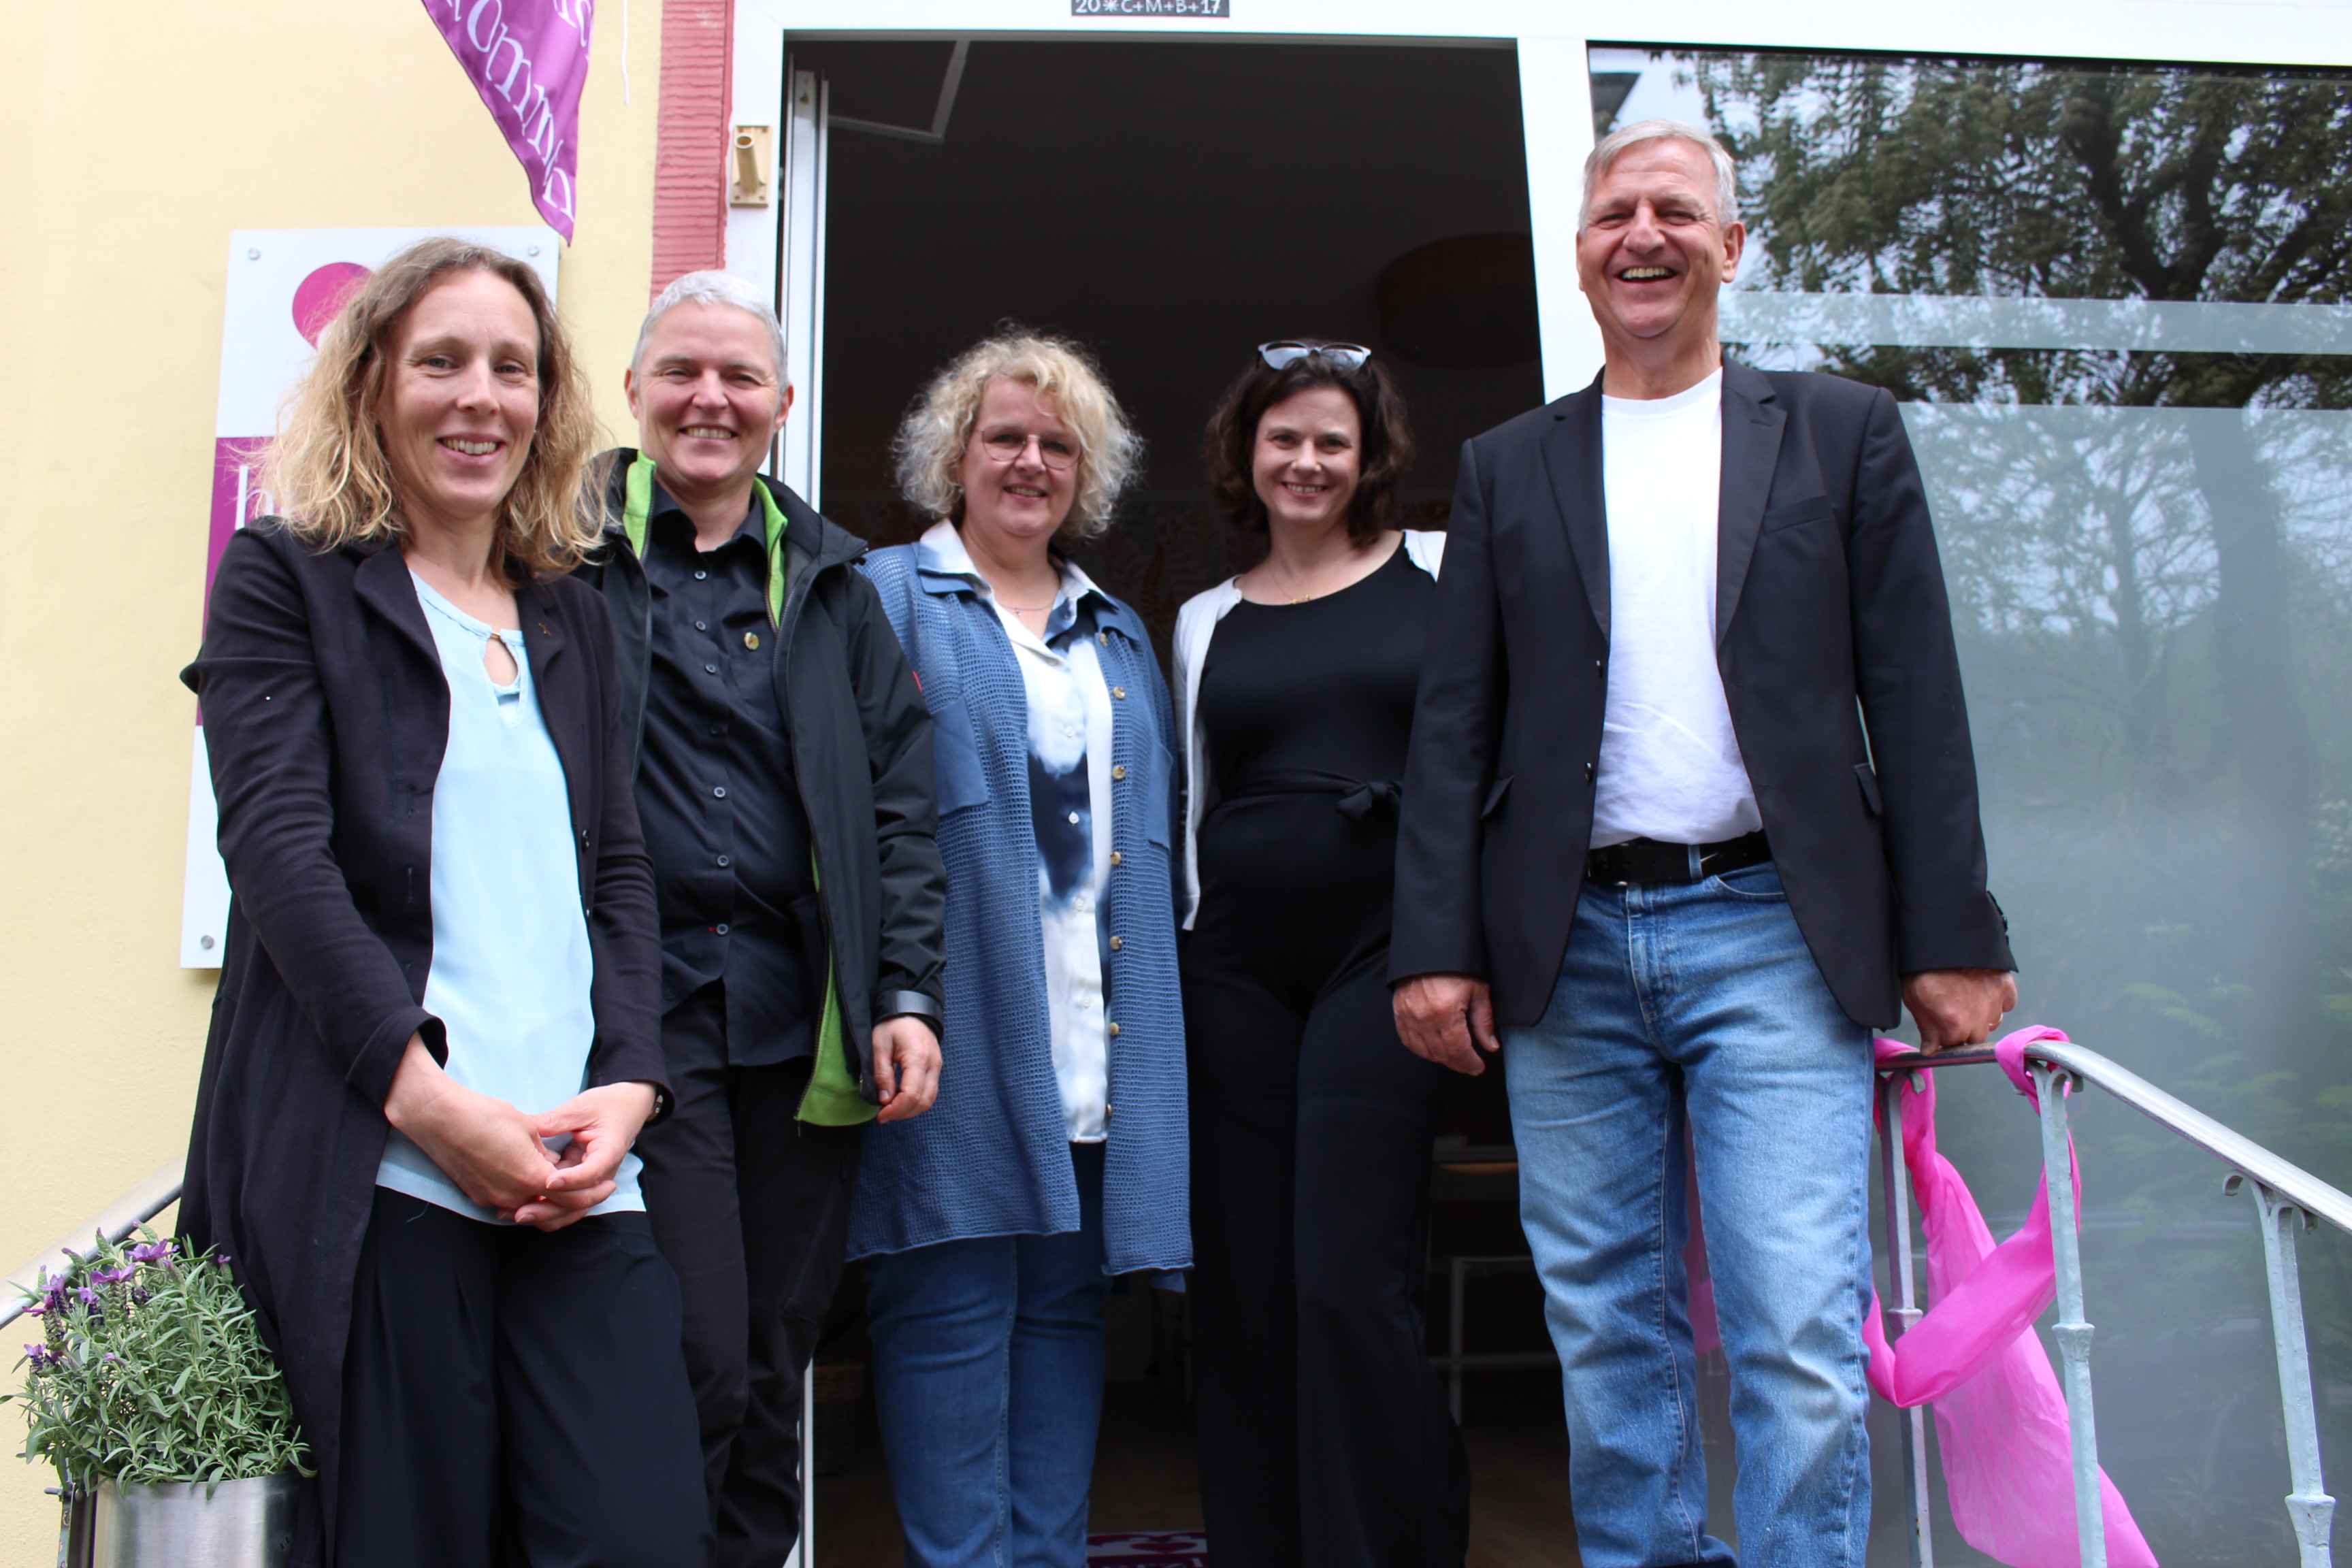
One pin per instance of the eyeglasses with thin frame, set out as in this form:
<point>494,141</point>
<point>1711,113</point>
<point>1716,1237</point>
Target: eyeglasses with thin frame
<point>1287,352</point>
<point>1054,450</point>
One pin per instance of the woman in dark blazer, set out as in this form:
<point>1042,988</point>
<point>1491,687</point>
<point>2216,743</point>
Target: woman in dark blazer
<point>436,1031</point>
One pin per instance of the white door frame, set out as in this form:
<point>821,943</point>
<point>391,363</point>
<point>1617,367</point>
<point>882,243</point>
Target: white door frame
<point>1555,100</point>
<point>798,271</point>
<point>781,247</point>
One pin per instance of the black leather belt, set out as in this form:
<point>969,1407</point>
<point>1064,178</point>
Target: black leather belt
<point>1649,861</point>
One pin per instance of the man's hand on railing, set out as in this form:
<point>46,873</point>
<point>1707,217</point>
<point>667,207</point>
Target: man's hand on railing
<point>484,1145</point>
<point>1959,1006</point>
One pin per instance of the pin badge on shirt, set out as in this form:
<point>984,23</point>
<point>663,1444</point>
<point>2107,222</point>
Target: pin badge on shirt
<point>751,639</point>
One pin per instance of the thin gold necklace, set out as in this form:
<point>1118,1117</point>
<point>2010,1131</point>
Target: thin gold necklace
<point>1294,598</point>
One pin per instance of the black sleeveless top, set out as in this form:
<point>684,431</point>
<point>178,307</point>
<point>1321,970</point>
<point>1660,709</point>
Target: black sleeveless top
<point>1316,696</point>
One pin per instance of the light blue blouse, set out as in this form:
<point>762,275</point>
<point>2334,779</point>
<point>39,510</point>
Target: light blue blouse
<point>512,964</point>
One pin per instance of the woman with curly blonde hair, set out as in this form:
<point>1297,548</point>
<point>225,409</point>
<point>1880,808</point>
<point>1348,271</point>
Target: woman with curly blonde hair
<point>1053,1158</point>
<point>438,1029</point>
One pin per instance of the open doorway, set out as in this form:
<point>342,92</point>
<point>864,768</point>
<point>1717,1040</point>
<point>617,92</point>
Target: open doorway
<point>1172,205</point>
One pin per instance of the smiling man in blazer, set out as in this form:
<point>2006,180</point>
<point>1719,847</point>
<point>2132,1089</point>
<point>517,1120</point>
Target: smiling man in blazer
<point>1691,811</point>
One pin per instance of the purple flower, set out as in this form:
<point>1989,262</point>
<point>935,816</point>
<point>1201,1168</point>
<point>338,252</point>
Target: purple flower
<point>111,1276</point>
<point>153,1251</point>
<point>37,1309</point>
<point>111,1356</point>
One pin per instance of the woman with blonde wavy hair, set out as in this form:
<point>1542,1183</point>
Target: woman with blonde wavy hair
<point>1054,1159</point>
<point>438,1030</point>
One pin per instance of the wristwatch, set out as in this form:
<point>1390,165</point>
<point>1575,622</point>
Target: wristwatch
<point>912,1005</point>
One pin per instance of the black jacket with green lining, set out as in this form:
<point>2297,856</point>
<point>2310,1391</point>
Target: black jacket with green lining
<point>861,739</point>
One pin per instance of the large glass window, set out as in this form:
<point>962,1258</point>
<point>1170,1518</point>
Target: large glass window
<point>2110,300</point>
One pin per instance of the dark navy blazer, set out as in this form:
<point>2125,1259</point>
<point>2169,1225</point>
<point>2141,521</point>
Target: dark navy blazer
<point>1831,615</point>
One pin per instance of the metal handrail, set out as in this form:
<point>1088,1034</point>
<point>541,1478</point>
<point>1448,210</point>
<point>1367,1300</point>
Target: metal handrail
<point>119,1219</point>
<point>2283,1191</point>
<point>2293,1184</point>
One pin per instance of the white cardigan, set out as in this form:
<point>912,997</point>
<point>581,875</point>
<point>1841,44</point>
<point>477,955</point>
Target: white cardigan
<point>1196,624</point>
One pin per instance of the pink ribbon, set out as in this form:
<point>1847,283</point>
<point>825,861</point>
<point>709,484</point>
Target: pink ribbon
<point>2000,1415</point>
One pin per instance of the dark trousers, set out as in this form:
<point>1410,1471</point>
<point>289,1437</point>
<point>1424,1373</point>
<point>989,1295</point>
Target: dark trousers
<point>1324,1434</point>
<point>514,1398</point>
<point>751,1208</point>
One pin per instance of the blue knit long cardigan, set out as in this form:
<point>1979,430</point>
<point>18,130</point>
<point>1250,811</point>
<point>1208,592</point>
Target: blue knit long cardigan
<point>992,1157</point>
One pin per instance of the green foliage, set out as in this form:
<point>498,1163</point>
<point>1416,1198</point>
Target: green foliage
<point>151,1368</point>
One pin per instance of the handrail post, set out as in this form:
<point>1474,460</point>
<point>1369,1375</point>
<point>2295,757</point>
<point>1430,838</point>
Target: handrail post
<point>2309,1507</point>
<point>1897,1176</point>
<point>2073,1332</point>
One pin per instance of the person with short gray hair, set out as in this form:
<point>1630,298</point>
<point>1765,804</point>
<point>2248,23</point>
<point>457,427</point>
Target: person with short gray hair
<point>716,288</point>
<point>782,758</point>
<point>1691,811</point>
<point>1625,138</point>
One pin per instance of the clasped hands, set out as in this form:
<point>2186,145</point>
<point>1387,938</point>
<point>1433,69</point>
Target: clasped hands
<point>496,1155</point>
<point>494,1152</point>
<point>1450,1018</point>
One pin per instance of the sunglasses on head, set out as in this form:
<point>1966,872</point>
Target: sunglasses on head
<point>1288,351</point>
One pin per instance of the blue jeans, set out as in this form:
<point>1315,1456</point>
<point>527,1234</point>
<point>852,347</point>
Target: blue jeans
<point>988,1376</point>
<point>1698,1005</point>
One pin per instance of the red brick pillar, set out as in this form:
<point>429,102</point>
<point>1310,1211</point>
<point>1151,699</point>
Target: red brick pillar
<point>697,70</point>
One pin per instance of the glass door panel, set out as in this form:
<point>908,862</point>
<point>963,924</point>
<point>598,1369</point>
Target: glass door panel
<point>2111,303</point>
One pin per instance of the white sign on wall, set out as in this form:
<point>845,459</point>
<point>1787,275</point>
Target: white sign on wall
<point>284,286</point>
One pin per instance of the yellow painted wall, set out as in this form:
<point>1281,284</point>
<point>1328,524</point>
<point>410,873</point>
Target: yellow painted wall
<point>136,136</point>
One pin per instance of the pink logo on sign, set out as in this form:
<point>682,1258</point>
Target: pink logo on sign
<point>237,495</point>
<point>319,298</point>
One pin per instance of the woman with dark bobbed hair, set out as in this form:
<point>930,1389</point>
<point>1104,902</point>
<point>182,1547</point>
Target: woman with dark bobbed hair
<point>1324,1434</point>
<point>438,1028</point>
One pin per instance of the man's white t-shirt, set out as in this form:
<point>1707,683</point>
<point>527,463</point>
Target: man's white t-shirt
<point>1670,767</point>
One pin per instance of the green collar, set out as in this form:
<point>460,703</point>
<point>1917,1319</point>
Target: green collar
<point>636,513</point>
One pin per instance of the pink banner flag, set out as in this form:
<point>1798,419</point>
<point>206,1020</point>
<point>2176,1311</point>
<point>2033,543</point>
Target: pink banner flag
<point>528,60</point>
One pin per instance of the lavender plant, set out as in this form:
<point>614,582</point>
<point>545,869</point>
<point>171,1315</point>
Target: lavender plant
<point>151,1368</point>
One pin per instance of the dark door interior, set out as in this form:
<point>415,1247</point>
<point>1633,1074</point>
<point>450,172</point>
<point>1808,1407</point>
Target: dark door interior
<point>1171,204</point>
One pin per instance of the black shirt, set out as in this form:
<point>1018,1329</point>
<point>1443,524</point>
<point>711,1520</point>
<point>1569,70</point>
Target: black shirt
<point>716,792</point>
<point>1321,693</point>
